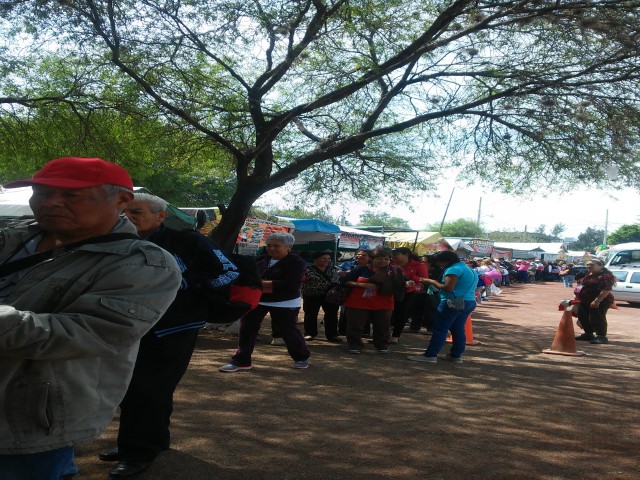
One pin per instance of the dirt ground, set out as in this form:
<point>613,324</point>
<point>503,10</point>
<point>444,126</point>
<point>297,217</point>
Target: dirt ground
<point>509,412</point>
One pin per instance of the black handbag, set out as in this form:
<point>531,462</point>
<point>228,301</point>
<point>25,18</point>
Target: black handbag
<point>337,295</point>
<point>457,303</point>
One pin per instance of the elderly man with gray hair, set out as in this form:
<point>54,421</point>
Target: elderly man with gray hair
<point>165,351</point>
<point>282,274</point>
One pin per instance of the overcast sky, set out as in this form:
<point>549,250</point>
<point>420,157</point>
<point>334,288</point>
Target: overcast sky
<point>577,210</point>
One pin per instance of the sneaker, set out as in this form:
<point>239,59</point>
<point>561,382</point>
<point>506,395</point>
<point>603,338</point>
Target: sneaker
<point>587,337</point>
<point>232,367</point>
<point>394,340</point>
<point>301,364</point>
<point>422,358</point>
<point>412,330</point>
<point>277,341</point>
<point>383,350</point>
<point>354,351</point>
<point>308,338</point>
<point>600,340</point>
<point>455,359</point>
<point>334,340</point>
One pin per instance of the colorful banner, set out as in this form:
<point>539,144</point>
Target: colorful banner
<point>252,234</point>
<point>502,253</point>
<point>353,241</point>
<point>482,246</point>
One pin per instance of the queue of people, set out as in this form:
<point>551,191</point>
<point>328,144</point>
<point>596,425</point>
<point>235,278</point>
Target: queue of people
<point>102,305</point>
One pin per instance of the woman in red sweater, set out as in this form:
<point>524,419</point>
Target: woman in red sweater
<point>414,271</point>
<point>375,289</point>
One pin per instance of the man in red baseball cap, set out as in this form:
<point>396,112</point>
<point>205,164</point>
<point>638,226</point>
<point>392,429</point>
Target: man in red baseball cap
<point>78,289</point>
<point>68,196</point>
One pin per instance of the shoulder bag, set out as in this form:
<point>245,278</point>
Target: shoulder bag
<point>457,303</point>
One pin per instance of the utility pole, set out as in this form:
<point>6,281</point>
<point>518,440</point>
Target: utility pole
<point>606,226</point>
<point>446,209</point>
<point>479,210</point>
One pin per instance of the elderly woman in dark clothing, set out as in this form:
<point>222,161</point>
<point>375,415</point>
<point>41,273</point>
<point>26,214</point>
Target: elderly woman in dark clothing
<point>282,273</point>
<point>318,280</point>
<point>594,299</point>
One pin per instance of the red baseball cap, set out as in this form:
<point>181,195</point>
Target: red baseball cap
<point>77,172</point>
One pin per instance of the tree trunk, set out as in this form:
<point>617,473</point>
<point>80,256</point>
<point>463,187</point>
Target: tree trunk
<point>226,234</point>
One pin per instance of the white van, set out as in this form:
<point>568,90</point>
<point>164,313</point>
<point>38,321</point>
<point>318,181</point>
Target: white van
<point>622,254</point>
<point>628,287</point>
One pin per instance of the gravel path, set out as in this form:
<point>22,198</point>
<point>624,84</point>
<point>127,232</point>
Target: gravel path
<point>509,412</point>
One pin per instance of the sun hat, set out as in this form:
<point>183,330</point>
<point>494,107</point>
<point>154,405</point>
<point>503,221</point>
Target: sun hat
<point>77,172</point>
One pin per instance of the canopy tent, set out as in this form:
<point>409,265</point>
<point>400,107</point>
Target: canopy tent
<point>542,251</point>
<point>354,238</point>
<point>462,248</point>
<point>421,243</point>
<point>14,203</point>
<point>316,235</point>
<point>311,230</point>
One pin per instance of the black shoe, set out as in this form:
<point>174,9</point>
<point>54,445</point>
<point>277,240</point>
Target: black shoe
<point>587,337</point>
<point>334,340</point>
<point>128,469</point>
<point>600,340</point>
<point>110,456</point>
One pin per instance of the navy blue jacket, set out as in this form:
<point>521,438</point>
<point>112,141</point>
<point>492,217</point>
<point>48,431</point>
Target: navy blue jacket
<point>204,267</point>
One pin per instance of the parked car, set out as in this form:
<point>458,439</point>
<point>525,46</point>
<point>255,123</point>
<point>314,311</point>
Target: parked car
<point>628,287</point>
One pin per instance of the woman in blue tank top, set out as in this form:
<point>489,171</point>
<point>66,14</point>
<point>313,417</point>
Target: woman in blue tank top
<point>458,281</point>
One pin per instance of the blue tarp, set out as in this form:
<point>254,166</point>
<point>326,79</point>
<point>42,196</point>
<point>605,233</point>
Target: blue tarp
<point>311,230</point>
<point>313,225</point>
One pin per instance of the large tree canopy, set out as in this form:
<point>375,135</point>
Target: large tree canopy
<point>365,96</point>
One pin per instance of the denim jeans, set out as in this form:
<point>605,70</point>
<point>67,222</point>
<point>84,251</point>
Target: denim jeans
<point>568,280</point>
<point>449,320</point>
<point>51,465</point>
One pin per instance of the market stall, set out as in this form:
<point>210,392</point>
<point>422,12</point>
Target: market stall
<point>421,243</point>
<point>462,248</point>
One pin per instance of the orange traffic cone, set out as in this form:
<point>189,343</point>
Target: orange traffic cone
<point>468,331</point>
<point>564,343</point>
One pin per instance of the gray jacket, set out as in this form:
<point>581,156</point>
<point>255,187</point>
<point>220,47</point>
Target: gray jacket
<point>69,336</point>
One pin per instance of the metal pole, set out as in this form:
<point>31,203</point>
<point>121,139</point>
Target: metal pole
<point>606,226</point>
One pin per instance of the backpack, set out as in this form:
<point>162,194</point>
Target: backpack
<point>225,303</point>
<point>236,300</point>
